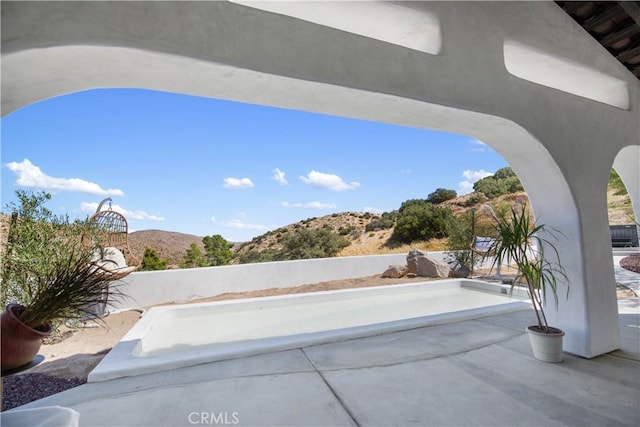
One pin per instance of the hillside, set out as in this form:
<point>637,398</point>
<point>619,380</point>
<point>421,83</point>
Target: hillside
<point>172,246</point>
<point>169,245</point>
<point>352,226</point>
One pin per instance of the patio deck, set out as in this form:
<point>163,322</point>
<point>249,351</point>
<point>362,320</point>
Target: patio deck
<point>476,372</point>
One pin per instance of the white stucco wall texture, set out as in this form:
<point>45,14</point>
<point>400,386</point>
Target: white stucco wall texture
<point>147,288</point>
<point>560,144</point>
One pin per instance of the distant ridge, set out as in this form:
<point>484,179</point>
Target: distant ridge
<point>169,245</point>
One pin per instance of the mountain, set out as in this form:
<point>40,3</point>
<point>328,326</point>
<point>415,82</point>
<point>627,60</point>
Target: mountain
<point>169,245</point>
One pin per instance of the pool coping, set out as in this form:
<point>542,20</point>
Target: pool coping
<point>122,362</point>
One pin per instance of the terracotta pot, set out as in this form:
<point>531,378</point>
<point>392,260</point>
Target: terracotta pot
<point>546,346</point>
<point>20,343</point>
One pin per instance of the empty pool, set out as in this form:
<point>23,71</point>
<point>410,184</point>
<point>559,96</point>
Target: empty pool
<point>168,337</point>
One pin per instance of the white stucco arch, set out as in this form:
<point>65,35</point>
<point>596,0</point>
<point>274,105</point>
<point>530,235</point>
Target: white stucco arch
<point>552,140</point>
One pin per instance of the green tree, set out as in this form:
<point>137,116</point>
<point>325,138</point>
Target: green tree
<point>504,173</point>
<point>441,195</point>
<point>194,258</point>
<point>490,187</point>
<point>421,220</point>
<point>151,261</point>
<point>504,181</point>
<point>217,250</point>
<point>306,243</point>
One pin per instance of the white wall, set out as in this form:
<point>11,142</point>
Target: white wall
<point>147,288</point>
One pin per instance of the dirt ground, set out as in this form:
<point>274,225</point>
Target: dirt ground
<point>75,352</point>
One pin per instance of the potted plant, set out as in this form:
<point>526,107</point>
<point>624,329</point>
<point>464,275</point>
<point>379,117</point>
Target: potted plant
<point>519,240</point>
<point>48,275</point>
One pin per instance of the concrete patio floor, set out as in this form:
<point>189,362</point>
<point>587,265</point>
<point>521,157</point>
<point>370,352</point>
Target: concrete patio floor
<point>477,372</point>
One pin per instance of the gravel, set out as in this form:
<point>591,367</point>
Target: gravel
<point>21,389</point>
<point>631,263</point>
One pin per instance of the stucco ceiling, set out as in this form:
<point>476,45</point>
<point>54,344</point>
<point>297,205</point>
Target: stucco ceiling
<point>615,24</point>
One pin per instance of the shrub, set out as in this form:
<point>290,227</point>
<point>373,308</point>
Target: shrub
<point>460,234</point>
<point>421,220</point>
<point>343,231</point>
<point>305,244</point>
<point>441,195</point>
<point>265,255</point>
<point>475,199</point>
<point>385,221</point>
<point>502,182</point>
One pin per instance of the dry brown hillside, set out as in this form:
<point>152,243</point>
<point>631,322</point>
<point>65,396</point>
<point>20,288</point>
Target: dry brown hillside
<point>351,225</point>
<point>170,246</point>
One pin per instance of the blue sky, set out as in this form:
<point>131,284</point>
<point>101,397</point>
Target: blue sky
<point>205,166</point>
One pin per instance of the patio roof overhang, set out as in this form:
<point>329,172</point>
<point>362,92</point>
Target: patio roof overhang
<point>614,24</point>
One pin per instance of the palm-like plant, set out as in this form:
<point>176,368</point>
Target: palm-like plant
<point>519,240</point>
<point>49,266</point>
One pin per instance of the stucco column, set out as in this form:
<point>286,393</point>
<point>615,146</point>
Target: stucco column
<point>589,316</point>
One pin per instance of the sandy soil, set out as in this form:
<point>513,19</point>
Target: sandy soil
<point>75,352</point>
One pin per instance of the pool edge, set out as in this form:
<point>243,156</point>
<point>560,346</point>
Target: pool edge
<point>120,362</point>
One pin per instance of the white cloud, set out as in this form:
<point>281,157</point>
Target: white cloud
<point>373,210</point>
<point>309,205</point>
<point>328,181</point>
<point>475,175</point>
<point>213,219</point>
<point>30,175</point>
<point>236,223</point>
<point>237,183</point>
<point>278,175</point>
<point>466,186</point>
<point>141,215</point>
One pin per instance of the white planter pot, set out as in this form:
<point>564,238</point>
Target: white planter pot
<point>546,346</point>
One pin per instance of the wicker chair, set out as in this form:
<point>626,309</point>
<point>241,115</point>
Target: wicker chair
<point>110,238</point>
<point>112,232</point>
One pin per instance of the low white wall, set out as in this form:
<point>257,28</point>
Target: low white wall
<point>147,288</point>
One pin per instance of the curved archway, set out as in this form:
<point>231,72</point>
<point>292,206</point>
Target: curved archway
<point>76,68</point>
<point>554,141</point>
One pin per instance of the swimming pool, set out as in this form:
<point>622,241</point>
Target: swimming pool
<point>169,337</point>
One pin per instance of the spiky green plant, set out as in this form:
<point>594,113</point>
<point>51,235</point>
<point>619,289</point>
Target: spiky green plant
<point>519,240</point>
<point>48,266</point>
